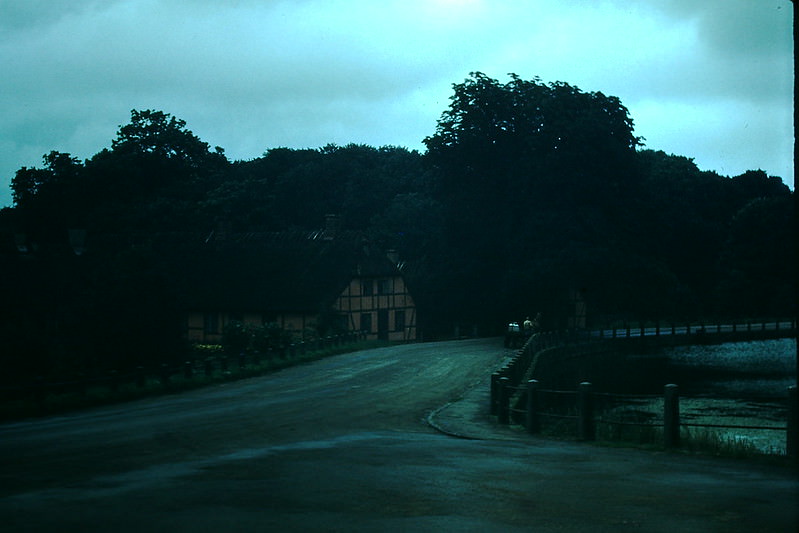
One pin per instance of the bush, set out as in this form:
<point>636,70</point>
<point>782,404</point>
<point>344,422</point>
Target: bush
<point>236,338</point>
<point>239,337</point>
<point>269,337</point>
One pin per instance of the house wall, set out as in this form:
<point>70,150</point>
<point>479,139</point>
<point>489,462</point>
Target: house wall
<point>379,307</point>
<point>382,308</point>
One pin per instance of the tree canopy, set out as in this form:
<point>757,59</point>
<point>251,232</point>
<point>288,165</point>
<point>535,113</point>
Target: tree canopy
<point>531,138</point>
<point>527,192</point>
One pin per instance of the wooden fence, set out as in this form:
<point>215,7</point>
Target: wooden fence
<point>516,395</point>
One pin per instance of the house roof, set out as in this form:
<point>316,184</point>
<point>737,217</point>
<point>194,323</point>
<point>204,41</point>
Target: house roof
<point>302,271</point>
<point>286,271</point>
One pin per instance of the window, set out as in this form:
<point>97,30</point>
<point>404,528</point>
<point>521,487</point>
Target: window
<point>366,287</point>
<point>384,286</point>
<point>399,320</point>
<point>366,322</point>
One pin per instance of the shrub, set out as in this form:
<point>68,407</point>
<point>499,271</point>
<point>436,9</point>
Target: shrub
<point>269,337</point>
<point>236,338</point>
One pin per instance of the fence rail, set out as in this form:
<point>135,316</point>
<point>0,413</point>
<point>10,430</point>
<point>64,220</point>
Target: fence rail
<point>585,407</point>
<point>514,395</point>
<point>693,329</point>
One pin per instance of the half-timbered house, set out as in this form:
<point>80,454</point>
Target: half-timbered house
<point>309,283</point>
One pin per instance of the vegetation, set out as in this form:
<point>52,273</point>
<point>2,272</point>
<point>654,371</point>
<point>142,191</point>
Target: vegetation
<point>527,191</point>
<point>208,365</point>
<point>703,441</point>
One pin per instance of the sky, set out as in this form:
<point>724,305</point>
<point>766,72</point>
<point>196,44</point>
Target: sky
<point>711,80</point>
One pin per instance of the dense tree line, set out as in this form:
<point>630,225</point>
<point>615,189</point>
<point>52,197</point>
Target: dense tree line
<point>526,191</point>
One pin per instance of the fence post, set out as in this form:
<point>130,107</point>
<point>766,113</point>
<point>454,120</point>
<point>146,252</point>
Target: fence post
<point>792,437</point>
<point>671,416</point>
<point>585,409</point>
<point>533,423</point>
<point>188,369</point>
<point>494,393</point>
<point>503,413</point>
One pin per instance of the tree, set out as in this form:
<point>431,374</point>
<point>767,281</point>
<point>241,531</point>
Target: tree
<point>154,176</point>
<point>301,186</point>
<point>523,167</point>
<point>759,260</point>
<point>757,184</point>
<point>49,200</point>
<point>162,135</point>
<point>498,138</point>
<point>409,224</point>
<point>32,184</point>
<point>26,184</point>
<point>169,157</point>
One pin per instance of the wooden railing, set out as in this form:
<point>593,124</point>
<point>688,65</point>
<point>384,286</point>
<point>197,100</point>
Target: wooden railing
<point>516,394</point>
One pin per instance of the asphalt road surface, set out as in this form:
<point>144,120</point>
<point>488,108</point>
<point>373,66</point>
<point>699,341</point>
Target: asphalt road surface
<point>393,439</point>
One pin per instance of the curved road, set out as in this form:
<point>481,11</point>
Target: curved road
<point>344,444</point>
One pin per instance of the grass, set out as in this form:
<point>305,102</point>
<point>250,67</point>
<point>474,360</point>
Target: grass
<point>708,441</point>
<point>693,440</point>
<point>58,402</point>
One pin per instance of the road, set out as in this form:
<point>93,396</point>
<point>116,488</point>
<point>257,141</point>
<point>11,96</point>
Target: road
<point>361,442</point>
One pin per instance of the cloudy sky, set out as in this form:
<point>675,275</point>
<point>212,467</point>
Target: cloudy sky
<point>710,79</point>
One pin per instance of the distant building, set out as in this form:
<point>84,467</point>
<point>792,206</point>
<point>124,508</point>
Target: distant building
<point>309,283</point>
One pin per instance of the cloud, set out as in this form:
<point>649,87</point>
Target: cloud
<point>739,27</point>
<point>763,125</point>
<point>249,75</point>
<point>24,16</point>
